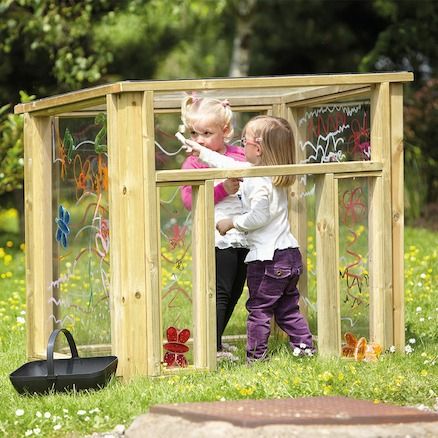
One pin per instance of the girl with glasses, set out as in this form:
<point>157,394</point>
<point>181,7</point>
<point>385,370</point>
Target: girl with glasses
<point>274,259</point>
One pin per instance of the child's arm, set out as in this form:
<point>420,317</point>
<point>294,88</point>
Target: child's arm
<point>221,190</point>
<point>212,158</point>
<point>259,213</point>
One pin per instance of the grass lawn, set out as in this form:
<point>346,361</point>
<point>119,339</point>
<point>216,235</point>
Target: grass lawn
<point>409,379</point>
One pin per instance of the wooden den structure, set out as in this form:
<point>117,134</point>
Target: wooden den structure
<point>118,185</point>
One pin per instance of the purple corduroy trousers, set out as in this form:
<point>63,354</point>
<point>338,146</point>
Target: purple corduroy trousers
<point>273,291</point>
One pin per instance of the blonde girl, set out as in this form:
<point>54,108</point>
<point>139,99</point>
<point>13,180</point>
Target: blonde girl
<point>210,123</point>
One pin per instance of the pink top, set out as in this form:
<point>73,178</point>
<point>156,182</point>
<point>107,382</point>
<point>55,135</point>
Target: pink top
<point>192,162</point>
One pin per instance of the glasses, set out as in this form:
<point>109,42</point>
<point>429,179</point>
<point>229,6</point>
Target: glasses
<point>244,141</point>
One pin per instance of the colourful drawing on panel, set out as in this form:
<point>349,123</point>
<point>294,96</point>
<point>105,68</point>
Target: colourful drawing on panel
<point>353,209</point>
<point>336,133</point>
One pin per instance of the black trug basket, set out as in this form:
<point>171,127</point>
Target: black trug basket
<point>59,375</point>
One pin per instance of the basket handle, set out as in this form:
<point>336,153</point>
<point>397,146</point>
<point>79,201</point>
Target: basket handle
<point>51,346</point>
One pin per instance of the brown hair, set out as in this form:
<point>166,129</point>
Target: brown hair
<point>194,108</point>
<point>274,134</point>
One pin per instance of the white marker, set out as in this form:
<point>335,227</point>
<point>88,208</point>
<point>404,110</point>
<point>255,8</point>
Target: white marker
<point>181,138</point>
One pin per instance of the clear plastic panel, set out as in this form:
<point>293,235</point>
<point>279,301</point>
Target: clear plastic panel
<point>176,265</point>
<point>80,215</point>
<point>353,255</point>
<point>168,151</point>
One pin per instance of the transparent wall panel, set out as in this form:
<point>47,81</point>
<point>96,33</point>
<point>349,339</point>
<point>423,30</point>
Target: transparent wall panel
<point>336,132</point>
<point>81,241</point>
<point>168,151</point>
<point>176,264</point>
<point>353,255</point>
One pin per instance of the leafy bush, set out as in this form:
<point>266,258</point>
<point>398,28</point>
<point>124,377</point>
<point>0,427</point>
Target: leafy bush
<point>11,148</point>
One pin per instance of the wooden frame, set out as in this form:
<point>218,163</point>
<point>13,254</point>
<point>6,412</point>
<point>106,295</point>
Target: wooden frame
<point>136,327</point>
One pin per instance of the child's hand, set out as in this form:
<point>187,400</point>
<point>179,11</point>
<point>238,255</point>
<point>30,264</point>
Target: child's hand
<point>231,185</point>
<point>191,147</point>
<point>224,225</point>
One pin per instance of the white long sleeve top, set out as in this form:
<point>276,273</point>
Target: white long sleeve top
<point>265,217</point>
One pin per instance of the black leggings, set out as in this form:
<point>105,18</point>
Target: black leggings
<point>230,280</point>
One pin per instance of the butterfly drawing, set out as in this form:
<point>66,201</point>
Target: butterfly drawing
<point>176,348</point>
<point>360,350</point>
<point>63,230</point>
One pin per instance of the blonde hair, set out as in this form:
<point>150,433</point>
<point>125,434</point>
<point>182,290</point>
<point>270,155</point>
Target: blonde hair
<point>194,108</point>
<point>274,134</point>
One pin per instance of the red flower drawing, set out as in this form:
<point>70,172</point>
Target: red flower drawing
<point>175,348</point>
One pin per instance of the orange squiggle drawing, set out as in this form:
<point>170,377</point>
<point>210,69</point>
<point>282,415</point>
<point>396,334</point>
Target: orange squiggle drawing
<point>354,208</point>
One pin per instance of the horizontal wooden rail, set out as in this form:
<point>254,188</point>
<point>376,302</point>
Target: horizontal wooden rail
<point>355,168</point>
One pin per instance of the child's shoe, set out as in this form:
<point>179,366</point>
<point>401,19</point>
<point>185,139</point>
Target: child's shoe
<point>222,356</point>
<point>251,360</point>
<point>229,347</point>
<point>303,350</point>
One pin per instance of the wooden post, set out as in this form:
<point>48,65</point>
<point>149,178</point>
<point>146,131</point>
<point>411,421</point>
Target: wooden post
<point>39,232</point>
<point>204,276</point>
<point>210,281</point>
<point>380,222</point>
<point>152,236</point>
<point>397,188</point>
<point>56,183</point>
<point>327,250</point>
<point>135,288</point>
<point>199,277</point>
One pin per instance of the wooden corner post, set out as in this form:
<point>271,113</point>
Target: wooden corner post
<point>380,222</point>
<point>38,231</point>
<point>204,276</point>
<point>135,300</point>
<point>397,189</point>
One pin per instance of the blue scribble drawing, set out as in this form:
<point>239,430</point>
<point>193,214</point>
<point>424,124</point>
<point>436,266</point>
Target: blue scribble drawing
<point>63,230</point>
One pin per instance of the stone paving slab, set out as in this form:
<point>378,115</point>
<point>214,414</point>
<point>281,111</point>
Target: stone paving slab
<point>165,426</point>
<point>422,423</point>
<point>296,411</point>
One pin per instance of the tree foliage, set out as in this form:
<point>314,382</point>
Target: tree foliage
<point>11,148</point>
<point>409,40</point>
<point>421,134</point>
<point>312,36</point>
<point>46,46</point>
